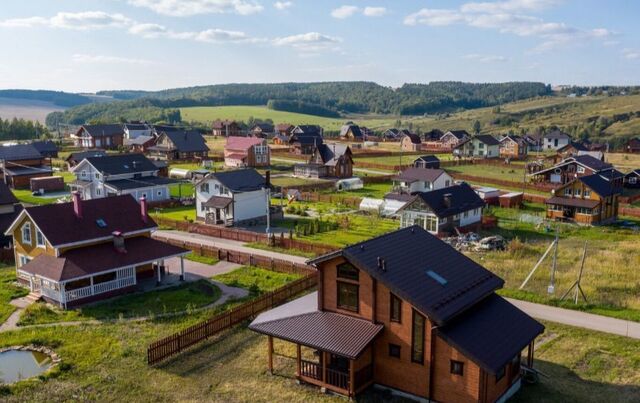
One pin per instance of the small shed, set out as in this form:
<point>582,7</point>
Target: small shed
<point>371,205</point>
<point>349,184</point>
<point>511,200</point>
<point>488,194</point>
<point>180,173</point>
<point>46,184</point>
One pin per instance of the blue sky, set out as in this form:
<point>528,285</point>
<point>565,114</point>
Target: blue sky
<point>88,45</point>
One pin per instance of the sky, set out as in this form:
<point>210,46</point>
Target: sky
<point>91,45</point>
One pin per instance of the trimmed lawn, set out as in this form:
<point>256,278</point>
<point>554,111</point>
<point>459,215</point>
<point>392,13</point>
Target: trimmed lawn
<point>256,280</point>
<point>375,190</point>
<point>295,252</point>
<point>176,213</point>
<point>183,297</point>
<point>194,257</point>
<point>98,363</point>
<point>182,189</point>
<point>289,181</point>
<point>9,291</point>
<point>25,196</point>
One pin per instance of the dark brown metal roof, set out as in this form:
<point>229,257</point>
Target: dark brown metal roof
<point>327,331</point>
<point>492,333</point>
<point>217,202</point>
<point>100,258</point>
<point>573,202</point>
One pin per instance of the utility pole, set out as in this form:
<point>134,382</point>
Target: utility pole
<point>552,282</point>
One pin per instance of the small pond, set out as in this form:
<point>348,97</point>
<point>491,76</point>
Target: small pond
<point>16,365</point>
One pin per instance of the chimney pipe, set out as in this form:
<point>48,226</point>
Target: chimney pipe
<point>77,204</point>
<point>118,242</point>
<point>267,178</point>
<point>144,209</point>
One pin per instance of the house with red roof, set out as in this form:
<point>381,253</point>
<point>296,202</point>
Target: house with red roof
<point>73,253</point>
<point>246,152</point>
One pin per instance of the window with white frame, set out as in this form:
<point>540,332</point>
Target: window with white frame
<point>83,174</point>
<point>39,238</point>
<point>23,260</point>
<point>578,192</point>
<point>26,233</point>
<point>98,192</point>
<point>580,169</point>
<point>205,187</point>
<point>587,193</point>
<point>568,192</point>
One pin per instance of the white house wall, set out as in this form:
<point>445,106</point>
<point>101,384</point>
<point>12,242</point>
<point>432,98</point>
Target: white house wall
<point>249,205</point>
<point>474,216</point>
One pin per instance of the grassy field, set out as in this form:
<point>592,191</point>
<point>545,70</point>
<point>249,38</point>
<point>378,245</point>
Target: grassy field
<point>176,213</point>
<point>208,114</point>
<point>254,279</point>
<point>514,173</point>
<point>8,291</point>
<point>98,363</point>
<point>624,162</point>
<point>183,297</point>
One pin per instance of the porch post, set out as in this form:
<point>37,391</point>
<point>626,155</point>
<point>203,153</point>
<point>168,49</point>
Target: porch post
<point>298,358</point>
<point>63,296</point>
<point>352,377</point>
<point>159,275</point>
<point>324,367</point>
<point>91,282</point>
<point>270,353</point>
<point>181,268</point>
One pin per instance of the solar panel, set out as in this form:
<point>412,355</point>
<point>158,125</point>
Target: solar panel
<point>441,280</point>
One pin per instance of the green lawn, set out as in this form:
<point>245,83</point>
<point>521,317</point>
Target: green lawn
<point>289,181</point>
<point>295,252</point>
<point>176,213</point>
<point>256,280</point>
<point>8,290</point>
<point>514,173</point>
<point>201,259</point>
<point>108,362</point>
<point>207,114</point>
<point>375,190</point>
<point>179,298</point>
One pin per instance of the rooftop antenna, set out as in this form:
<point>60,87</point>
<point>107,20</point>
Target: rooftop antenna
<point>576,284</point>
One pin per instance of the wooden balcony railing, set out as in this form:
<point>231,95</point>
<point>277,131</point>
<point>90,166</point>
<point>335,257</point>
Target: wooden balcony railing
<point>311,369</point>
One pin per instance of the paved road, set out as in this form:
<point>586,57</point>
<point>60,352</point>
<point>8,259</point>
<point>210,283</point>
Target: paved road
<point>227,244</point>
<point>580,319</point>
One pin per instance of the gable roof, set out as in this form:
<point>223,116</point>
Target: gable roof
<point>459,134</point>
<point>635,172</point>
<point>284,126</point>
<point>415,139</point>
<point>45,146</point>
<point>575,145</point>
<point>61,226</point>
<point>264,127</point>
<point>240,180</point>
<point>187,140</point>
<point>487,139</point>
<point>600,184</point>
<point>427,158</point>
<point>408,254</point>
<point>118,164</point>
<point>220,124</point>
<point>19,152</point>
<point>355,130</point>
<point>462,198</point>
<point>103,130</point>
<point>414,174</point>
<point>140,140</point>
<point>79,156</point>
<point>331,153</point>
<point>309,129</point>
<point>433,135</point>
<point>242,143</point>
<point>492,332</point>
<point>136,126</point>
<point>6,195</point>
<point>592,162</point>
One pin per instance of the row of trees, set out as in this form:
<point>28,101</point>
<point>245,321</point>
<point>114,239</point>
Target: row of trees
<point>21,129</point>
<point>121,111</point>
<point>56,97</point>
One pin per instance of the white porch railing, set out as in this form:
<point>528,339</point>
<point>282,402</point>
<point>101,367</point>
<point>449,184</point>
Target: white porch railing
<point>51,293</point>
<point>124,278</point>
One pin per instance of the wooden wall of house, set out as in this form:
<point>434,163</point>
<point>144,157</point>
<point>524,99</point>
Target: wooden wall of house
<point>31,250</point>
<point>448,387</point>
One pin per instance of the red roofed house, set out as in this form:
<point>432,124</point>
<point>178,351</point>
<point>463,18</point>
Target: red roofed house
<point>246,152</point>
<point>82,251</point>
<point>409,313</point>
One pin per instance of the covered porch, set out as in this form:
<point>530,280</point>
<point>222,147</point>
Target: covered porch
<point>333,351</point>
<point>581,211</point>
<point>89,274</point>
<point>219,211</point>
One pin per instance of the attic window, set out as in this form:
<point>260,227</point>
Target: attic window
<point>101,223</point>
<point>441,280</point>
<point>126,166</point>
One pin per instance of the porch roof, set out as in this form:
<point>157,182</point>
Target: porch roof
<point>299,321</point>
<point>572,202</point>
<point>83,262</point>
<point>218,202</point>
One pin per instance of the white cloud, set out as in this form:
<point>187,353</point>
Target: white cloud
<point>213,35</point>
<point>344,12</point>
<point>313,42</point>
<point>87,20</point>
<point>104,59</point>
<point>185,8</point>
<point>374,11</point>
<point>504,17</point>
<point>282,5</point>
<point>631,54</point>
<point>485,58</point>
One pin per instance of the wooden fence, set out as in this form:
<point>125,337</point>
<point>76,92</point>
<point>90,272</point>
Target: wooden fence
<point>169,346</point>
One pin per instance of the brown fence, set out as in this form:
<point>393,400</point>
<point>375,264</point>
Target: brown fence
<point>540,187</point>
<point>629,211</point>
<point>164,348</point>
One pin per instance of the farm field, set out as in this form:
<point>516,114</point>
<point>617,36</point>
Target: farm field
<point>208,114</point>
<point>624,162</point>
<point>26,109</point>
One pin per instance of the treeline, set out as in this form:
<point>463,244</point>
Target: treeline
<point>119,111</point>
<point>601,90</point>
<point>301,107</point>
<point>346,97</point>
<point>21,129</point>
<point>56,97</point>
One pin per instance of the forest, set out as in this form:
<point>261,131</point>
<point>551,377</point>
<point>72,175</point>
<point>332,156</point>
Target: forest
<point>120,111</point>
<point>56,97</point>
<point>21,129</point>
